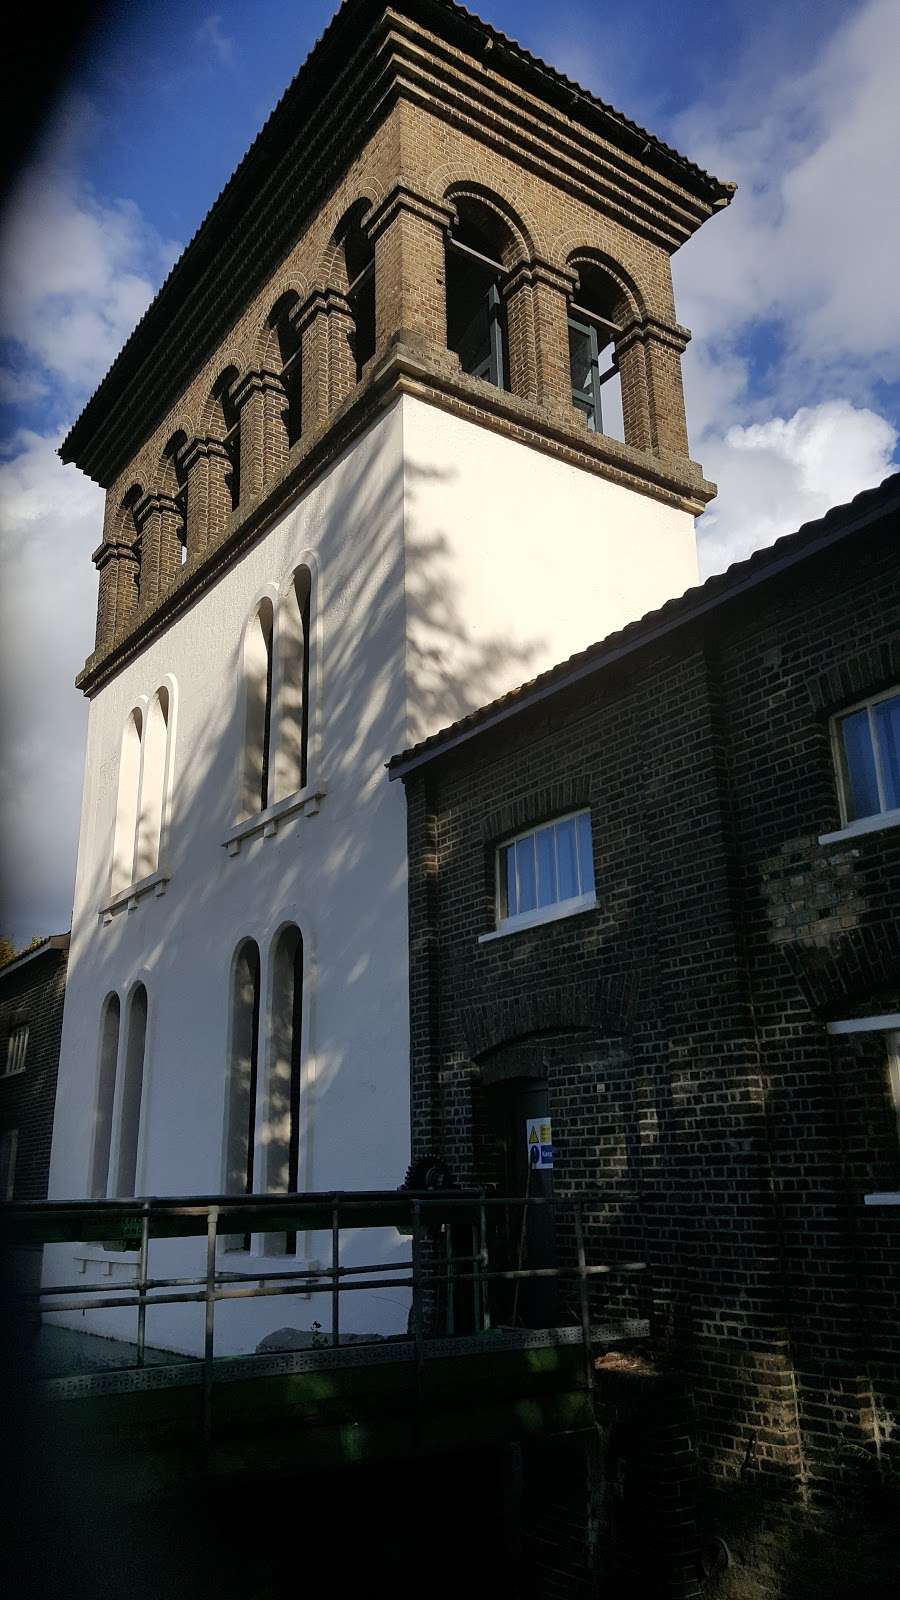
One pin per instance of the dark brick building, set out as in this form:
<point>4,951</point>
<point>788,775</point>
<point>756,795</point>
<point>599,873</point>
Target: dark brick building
<point>707,1007</point>
<point>32,990</point>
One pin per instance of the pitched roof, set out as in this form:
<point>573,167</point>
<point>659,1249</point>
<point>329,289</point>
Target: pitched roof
<point>839,523</point>
<point>309,89</point>
<point>46,946</point>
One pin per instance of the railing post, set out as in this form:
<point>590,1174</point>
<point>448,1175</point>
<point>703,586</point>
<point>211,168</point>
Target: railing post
<point>448,1252</point>
<point>418,1327</point>
<point>485,1267</point>
<point>335,1265</point>
<point>476,1280</point>
<point>212,1224</point>
<point>583,1297</point>
<point>143,1274</point>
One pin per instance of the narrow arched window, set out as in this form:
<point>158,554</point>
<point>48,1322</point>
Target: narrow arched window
<point>295,617</point>
<point>359,263</point>
<point>151,812</point>
<point>476,319</point>
<point>257,709</point>
<point>595,322</point>
<point>243,1067</point>
<point>106,1091</point>
<point>132,1092</point>
<point>127,803</point>
<point>281,1134</point>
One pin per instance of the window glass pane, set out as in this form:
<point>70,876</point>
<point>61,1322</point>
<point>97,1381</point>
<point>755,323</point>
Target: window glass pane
<point>585,853</point>
<point>859,766</point>
<point>580,356</point>
<point>507,881</point>
<point>525,865</point>
<point>887,723</point>
<point>568,860</point>
<point>546,861</point>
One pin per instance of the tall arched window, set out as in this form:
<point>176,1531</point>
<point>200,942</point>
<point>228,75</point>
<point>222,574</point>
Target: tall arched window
<point>359,286</point>
<point>243,1066</point>
<point>132,1092</point>
<point>283,354</point>
<point>257,709</point>
<point>127,802</point>
<point>476,315</point>
<point>596,317</point>
<point>281,1133</point>
<point>106,1092</point>
<point>153,786</point>
<point>291,760</point>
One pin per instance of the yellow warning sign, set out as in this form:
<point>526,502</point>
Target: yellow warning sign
<point>539,1142</point>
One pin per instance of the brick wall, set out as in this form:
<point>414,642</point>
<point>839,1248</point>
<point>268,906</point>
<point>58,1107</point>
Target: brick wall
<point>32,993</point>
<point>681,1026</point>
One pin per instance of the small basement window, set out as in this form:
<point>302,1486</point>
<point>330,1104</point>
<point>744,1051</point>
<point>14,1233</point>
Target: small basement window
<point>16,1048</point>
<point>546,872</point>
<point>867,757</point>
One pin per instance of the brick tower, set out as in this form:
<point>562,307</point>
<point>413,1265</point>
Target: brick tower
<point>403,427</point>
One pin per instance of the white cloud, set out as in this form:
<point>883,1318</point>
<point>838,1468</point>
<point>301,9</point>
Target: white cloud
<point>212,34</point>
<point>50,521</point>
<point>813,237</point>
<point>773,476</point>
<point>76,273</point>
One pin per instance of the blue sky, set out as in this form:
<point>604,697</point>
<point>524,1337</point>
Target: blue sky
<point>792,379</point>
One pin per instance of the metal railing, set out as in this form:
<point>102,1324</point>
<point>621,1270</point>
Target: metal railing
<point>448,1285</point>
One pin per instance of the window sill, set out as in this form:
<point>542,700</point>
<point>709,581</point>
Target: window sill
<point>308,800</point>
<point>853,830</point>
<point>536,919</point>
<point>15,1072</point>
<point>155,883</point>
<point>888,1197</point>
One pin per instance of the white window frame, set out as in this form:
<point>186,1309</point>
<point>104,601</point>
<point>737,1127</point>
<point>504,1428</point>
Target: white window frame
<point>16,1050</point>
<point>887,1024</point>
<point>885,816</point>
<point>559,908</point>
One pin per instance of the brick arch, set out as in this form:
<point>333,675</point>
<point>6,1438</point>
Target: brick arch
<point>456,178</point>
<point>864,963</point>
<point>290,291</point>
<point>166,477</point>
<point>604,1007</point>
<point>633,300</point>
<point>520,246</point>
<point>212,421</point>
<point>119,521</point>
<point>331,271</point>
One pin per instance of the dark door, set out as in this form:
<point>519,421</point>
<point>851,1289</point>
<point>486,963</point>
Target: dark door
<point>521,1109</point>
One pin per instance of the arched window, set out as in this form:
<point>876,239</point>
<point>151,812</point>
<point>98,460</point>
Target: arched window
<point>359,268</point>
<point>240,1114</point>
<point>153,786</point>
<point>283,354</point>
<point>132,1092</point>
<point>106,1091</point>
<point>293,692</point>
<point>223,425</point>
<point>596,317</point>
<point>127,803</point>
<point>476,314</point>
<point>258,642</point>
<point>281,1132</point>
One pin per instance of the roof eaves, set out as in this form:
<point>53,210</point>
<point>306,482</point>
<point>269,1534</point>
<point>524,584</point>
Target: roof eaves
<point>46,946</point>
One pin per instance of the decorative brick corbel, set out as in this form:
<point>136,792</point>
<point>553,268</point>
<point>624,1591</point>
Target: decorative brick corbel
<point>208,468</point>
<point>260,401</point>
<point>408,232</point>
<point>118,567</point>
<point>158,521</point>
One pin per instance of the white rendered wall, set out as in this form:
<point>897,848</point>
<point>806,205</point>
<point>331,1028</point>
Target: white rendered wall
<point>516,559</point>
<point>429,535</point>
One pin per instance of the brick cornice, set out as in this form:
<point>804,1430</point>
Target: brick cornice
<point>433,379</point>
